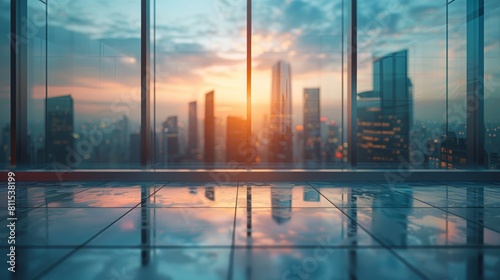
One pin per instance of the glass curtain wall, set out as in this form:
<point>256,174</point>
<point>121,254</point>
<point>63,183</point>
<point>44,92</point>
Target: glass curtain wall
<point>36,35</point>
<point>492,83</point>
<point>199,83</point>
<point>5,84</point>
<point>297,83</point>
<point>401,98</point>
<point>415,75</point>
<point>93,108</point>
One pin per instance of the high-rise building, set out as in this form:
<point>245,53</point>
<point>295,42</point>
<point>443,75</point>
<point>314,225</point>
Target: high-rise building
<point>60,128</point>
<point>312,126</point>
<point>280,130</point>
<point>192,148</point>
<point>5,146</point>
<point>134,152</point>
<point>118,148</point>
<point>171,152</point>
<point>235,136</point>
<point>332,143</point>
<point>453,152</point>
<point>385,114</point>
<point>209,130</point>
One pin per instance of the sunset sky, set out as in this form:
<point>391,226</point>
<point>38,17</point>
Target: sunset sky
<point>94,53</point>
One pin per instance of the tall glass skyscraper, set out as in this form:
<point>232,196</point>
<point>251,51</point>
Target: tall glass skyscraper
<point>171,140</point>
<point>385,114</point>
<point>60,128</point>
<point>209,129</point>
<point>192,148</point>
<point>312,126</point>
<point>280,146</point>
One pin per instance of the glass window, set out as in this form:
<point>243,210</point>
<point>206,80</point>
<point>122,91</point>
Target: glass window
<point>401,84</point>
<point>5,84</point>
<point>415,61</point>
<point>93,99</point>
<point>297,87</point>
<point>491,83</point>
<point>199,83</point>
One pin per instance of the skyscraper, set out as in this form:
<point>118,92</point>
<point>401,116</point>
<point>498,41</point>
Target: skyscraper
<point>192,149</point>
<point>60,129</point>
<point>5,146</point>
<point>171,152</point>
<point>312,126</point>
<point>385,114</point>
<point>209,130</point>
<point>235,136</point>
<point>280,130</point>
<point>134,152</point>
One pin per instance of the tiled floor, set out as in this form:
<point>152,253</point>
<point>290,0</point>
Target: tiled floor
<point>299,230</point>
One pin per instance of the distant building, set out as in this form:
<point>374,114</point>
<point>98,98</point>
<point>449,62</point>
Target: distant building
<point>134,152</point>
<point>5,146</point>
<point>235,137</point>
<point>494,161</point>
<point>192,148</point>
<point>209,129</point>
<point>453,152</point>
<point>171,152</point>
<point>118,147</point>
<point>210,193</point>
<point>60,140</point>
<point>280,130</point>
<point>332,142</point>
<point>262,141</point>
<point>385,114</point>
<point>312,126</point>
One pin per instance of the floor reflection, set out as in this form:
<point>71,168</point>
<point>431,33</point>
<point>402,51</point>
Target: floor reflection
<point>296,230</point>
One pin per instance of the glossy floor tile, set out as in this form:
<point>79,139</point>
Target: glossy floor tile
<point>255,230</point>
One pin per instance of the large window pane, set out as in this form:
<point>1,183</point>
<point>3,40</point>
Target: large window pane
<point>4,84</point>
<point>93,102</point>
<point>297,83</point>
<point>401,83</point>
<point>200,82</point>
<point>36,81</point>
<point>491,82</point>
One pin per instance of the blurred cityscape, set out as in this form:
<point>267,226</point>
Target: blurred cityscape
<point>388,136</point>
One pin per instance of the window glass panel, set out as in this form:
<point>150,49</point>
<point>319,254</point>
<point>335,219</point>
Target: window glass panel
<point>401,83</point>
<point>492,82</point>
<point>93,102</point>
<point>5,83</point>
<point>297,83</point>
<point>200,83</point>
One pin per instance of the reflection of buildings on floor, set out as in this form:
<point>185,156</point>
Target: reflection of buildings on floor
<point>311,194</point>
<point>281,202</point>
<point>391,226</point>
<point>400,233</point>
<point>210,193</point>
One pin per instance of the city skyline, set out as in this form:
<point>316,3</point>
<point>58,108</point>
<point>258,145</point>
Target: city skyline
<point>316,140</point>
